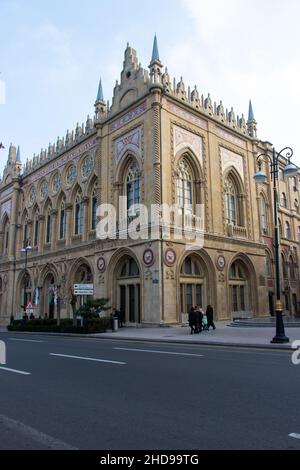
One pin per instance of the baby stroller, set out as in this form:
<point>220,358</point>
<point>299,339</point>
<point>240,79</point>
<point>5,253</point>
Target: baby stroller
<point>204,323</point>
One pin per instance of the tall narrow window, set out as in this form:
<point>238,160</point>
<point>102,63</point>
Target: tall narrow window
<point>94,206</point>
<point>292,270</point>
<point>288,232</point>
<point>280,228</point>
<point>36,228</point>
<point>79,214</point>
<point>132,188</point>
<point>283,200</point>
<point>284,267</point>
<point>299,233</point>
<point>25,233</point>
<point>231,202</point>
<point>185,187</point>
<point>263,214</point>
<point>62,220</point>
<point>48,225</point>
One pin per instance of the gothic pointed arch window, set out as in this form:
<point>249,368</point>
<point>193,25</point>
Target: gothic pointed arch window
<point>263,215</point>
<point>48,224</point>
<point>269,265</point>
<point>25,231</point>
<point>36,228</point>
<point>133,187</point>
<point>79,214</point>
<point>233,202</point>
<point>6,236</point>
<point>94,207</point>
<point>284,267</point>
<point>296,206</point>
<point>284,200</point>
<point>292,269</point>
<point>288,232</point>
<point>185,186</point>
<point>280,228</point>
<point>62,219</point>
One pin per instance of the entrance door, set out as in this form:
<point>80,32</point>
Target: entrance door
<point>123,302</point>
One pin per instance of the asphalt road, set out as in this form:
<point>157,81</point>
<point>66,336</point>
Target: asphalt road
<point>109,395</point>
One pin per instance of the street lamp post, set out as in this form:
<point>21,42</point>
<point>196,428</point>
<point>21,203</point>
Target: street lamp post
<point>25,250</point>
<point>290,171</point>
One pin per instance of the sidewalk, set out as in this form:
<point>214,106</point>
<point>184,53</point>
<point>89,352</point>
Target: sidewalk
<point>224,335</point>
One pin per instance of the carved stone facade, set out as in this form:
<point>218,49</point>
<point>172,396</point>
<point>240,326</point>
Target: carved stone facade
<point>169,146</point>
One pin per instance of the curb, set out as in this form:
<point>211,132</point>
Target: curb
<point>112,336</point>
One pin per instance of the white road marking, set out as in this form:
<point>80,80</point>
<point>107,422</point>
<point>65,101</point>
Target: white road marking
<point>158,352</point>
<point>88,359</point>
<point>15,371</point>
<point>48,441</point>
<point>295,436</point>
<point>25,340</point>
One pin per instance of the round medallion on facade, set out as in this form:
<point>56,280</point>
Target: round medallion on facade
<point>71,175</point>
<point>56,183</point>
<point>101,264</point>
<point>44,190</point>
<point>221,263</point>
<point>148,257</point>
<point>32,196</point>
<point>87,166</point>
<point>170,257</point>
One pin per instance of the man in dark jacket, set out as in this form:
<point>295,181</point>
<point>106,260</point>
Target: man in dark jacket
<point>192,320</point>
<point>210,317</point>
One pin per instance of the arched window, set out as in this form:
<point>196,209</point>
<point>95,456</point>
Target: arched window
<point>283,200</point>
<point>292,269</point>
<point>6,237</point>
<point>296,205</point>
<point>48,225</point>
<point>94,206</point>
<point>239,287</point>
<point>280,228</point>
<point>193,284</point>
<point>185,186</point>
<point>79,214</point>
<point>62,220</point>
<point>132,188</point>
<point>284,267</point>
<point>36,228</point>
<point>232,203</point>
<point>269,269</point>
<point>288,232</point>
<point>25,231</point>
<point>263,215</point>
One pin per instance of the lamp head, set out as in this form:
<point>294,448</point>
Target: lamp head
<point>290,170</point>
<point>260,177</point>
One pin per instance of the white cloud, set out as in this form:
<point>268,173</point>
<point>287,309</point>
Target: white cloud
<point>236,51</point>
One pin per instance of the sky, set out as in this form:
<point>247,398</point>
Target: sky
<point>53,53</point>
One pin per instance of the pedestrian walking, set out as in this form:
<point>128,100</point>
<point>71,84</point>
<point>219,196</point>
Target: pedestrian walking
<point>210,317</point>
<point>192,320</point>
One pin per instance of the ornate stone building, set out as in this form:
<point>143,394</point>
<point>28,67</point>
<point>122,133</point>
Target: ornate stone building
<point>158,142</point>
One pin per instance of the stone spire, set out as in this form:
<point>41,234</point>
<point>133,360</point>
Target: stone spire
<point>18,158</point>
<point>155,53</point>
<point>100,98</point>
<point>100,105</point>
<point>251,123</point>
<point>155,64</point>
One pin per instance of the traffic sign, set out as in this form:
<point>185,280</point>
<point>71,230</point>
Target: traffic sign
<point>84,289</point>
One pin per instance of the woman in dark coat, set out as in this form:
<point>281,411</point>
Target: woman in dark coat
<point>210,317</point>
